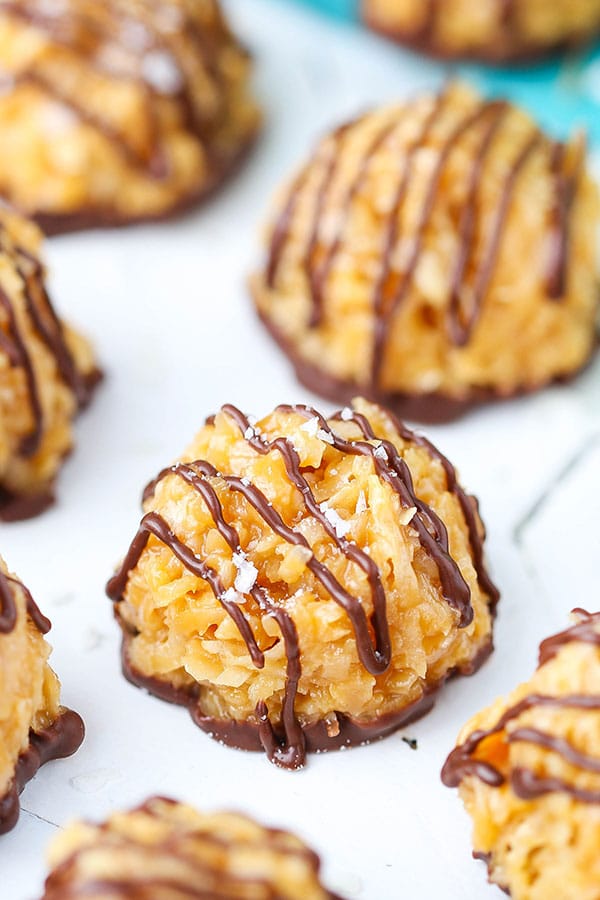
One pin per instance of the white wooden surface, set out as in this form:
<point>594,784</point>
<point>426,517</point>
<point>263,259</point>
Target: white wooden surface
<point>174,330</point>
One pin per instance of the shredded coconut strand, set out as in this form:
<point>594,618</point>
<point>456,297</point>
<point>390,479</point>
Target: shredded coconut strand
<point>361,503</point>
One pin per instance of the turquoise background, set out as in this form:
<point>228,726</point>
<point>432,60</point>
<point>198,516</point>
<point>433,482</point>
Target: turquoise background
<point>559,92</point>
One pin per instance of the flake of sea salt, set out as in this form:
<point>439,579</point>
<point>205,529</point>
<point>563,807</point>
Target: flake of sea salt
<point>311,427</point>
<point>160,70</point>
<point>135,36</point>
<point>347,414</point>
<point>247,573</point>
<point>325,436</point>
<point>380,452</point>
<point>232,596</point>
<point>341,527</point>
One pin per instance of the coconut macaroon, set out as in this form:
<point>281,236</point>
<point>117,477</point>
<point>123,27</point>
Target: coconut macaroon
<point>34,727</point>
<point>118,111</point>
<point>170,851</point>
<point>491,30</point>
<point>47,373</point>
<point>528,770</point>
<point>302,583</point>
<point>434,255</point>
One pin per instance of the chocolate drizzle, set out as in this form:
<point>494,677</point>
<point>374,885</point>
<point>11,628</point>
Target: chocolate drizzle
<point>8,606</point>
<point>48,328</point>
<point>473,264</point>
<point>59,740</point>
<point>203,876</point>
<point>93,33</point>
<point>371,633</point>
<point>464,761</point>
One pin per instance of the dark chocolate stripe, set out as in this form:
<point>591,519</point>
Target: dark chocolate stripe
<point>557,745</point>
<point>19,356</point>
<point>432,533</point>
<point>319,273</point>
<point>8,606</point>
<point>463,763</point>
<point>565,191</point>
<point>53,336</point>
<point>392,231</point>
<point>584,631</point>
<point>283,226</point>
<point>459,331</point>
<point>153,523</point>
<point>487,266</point>
<point>46,324</point>
<point>468,505</point>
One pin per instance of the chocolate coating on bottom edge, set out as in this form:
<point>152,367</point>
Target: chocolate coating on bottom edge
<point>491,54</point>
<point>246,735</point>
<point>20,507</point>
<point>487,859</point>
<point>431,409</point>
<point>53,224</point>
<point>59,740</point>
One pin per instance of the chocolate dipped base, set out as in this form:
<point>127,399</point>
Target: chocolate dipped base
<point>53,224</point>
<point>493,54</point>
<point>59,740</point>
<point>431,409</point>
<point>319,737</point>
<point>20,507</point>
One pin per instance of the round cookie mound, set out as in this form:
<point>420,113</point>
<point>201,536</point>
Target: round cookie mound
<point>169,851</point>
<point>34,728</point>
<point>528,769</point>
<point>118,111</point>
<point>47,373</point>
<point>302,583</point>
<point>491,30</point>
<point>434,255</point>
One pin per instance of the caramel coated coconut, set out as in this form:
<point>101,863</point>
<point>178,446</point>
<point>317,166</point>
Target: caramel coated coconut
<point>433,255</point>
<point>528,771</point>
<point>169,851</point>
<point>304,583</point>
<point>47,373</point>
<point>34,727</point>
<point>119,111</point>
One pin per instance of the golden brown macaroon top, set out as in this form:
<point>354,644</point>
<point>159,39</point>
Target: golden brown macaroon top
<point>170,851</point>
<point>442,250</point>
<point>34,728</point>
<point>308,582</point>
<point>120,110</point>
<point>528,769</point>
<point>47,373</point>
<point>493,30</point>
